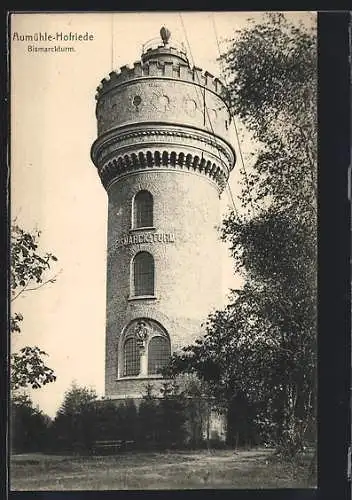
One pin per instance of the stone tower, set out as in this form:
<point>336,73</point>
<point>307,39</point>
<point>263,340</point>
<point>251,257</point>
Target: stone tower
<point>163,153</point>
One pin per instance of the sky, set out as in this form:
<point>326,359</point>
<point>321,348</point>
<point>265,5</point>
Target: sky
<point>55,186</point>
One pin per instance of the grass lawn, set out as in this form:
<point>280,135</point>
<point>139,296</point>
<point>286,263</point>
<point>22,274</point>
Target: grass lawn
<point>145,471</point>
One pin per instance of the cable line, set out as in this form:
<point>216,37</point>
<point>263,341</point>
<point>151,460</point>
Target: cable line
<point>233,116</point>
<point>112,42</point>
<point>205,108</point>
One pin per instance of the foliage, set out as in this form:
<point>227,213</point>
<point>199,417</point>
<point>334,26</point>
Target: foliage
<point>82,419</point>
<point>28,368</point>
<point>276,246</point>
<point>113,421</point>
<point>105,421</point>
<point>28,266</point>
<point>262,347</point>
<point>197,409</point>
<point>272,80</point>
<point>72,426</point>
<point>172,416</point>
<point>29,427</point>
<point>129,421</point>
<point>162,417</point>
<point>149,419</point>
<point>28,273</point>
<point>76,399</point>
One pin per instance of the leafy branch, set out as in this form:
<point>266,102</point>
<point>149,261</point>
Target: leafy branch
<point>28,273</point>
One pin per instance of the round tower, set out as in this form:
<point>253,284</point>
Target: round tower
<point>164,154</point>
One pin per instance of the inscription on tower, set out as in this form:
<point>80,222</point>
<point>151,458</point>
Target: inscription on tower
<point>134,239</point>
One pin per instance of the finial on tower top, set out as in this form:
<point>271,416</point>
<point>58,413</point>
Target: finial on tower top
<point>165,35</point>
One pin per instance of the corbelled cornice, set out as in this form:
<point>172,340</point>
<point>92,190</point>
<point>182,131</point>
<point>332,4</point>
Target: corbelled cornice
<point>117,137</point>
<point>122,165</point>
<point>142,147</point>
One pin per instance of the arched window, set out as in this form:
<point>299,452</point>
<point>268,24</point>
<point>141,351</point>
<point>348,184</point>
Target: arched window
<point>143,210</point>
<point>158,354</point>
<point>143,274</point>
<point>131,357</point>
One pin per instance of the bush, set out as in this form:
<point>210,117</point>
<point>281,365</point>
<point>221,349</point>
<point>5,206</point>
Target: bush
<point>169,420</point>
<point>29,427</point>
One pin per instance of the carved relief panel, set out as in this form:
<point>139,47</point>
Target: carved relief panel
<point>140,332</point>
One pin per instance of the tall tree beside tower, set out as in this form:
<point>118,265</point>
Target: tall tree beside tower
<point>263,344</point>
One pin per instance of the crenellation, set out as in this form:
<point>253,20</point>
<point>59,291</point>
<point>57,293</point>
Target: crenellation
<point>198,76</point>
<point>185,73</point>
<point>176,72</point>
<point>154,68</point>
<point>168,68</point>
<point>125,74</point>
<point>137,69</point>
<point>217,85</point>
<point>158,69</point>
<point>209,79</point>
<point>112,76</point>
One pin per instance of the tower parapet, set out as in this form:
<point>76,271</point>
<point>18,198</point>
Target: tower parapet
<point>162,69</point>
<point>161,100</point>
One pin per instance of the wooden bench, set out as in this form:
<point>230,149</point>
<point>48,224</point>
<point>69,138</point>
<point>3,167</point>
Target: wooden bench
<point>128,445</point>
<point>112,445</point>
<point>107,446</point>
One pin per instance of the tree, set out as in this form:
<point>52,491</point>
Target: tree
<point>106,421</point>
<point>74,425</point>
<point>197,404</point>
<point>76,399</point>
<point>272,81</point>
<point>29,426</point>
<point>28,368</point>
<point>28,272</point>
<point>230,370</point>
<point>172,416</point>
<point>149,419</point>
<point>276,246</point>
<point>263,345</point>
<point>115,421</point>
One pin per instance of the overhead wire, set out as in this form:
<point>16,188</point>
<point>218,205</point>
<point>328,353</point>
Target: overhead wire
<point>205,107</point>
<point>232,115</point>
<point>200,96</point>
<point>112,41</point>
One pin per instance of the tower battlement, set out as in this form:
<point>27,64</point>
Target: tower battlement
<point>162,101</point>
<point>162,69</point>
